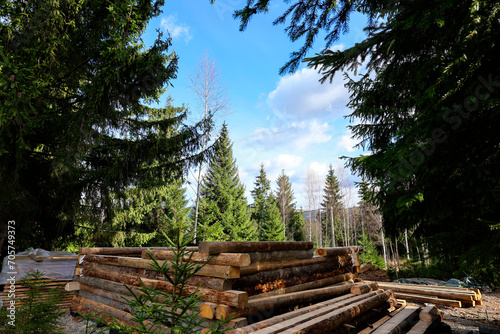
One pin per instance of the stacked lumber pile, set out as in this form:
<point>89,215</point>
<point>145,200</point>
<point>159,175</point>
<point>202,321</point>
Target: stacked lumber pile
<point>239,279</point>
<point>51,287</point>
<point>58,270</point>
<point>433,294</point>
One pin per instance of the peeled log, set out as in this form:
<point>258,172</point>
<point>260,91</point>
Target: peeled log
<point>233,298</point>
<point>267,266</point>
<point>120,305</point>
<point>276,302</point>
<point>78,308</point>
<point>207,310</point>
<point>207,270</point>
<point>364,288</point>
<point>333,251</point>
<point>217,247</point>
<point>324,323</point>
<point>223,259</point>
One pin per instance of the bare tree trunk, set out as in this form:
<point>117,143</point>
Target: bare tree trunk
<point>384,248</point>
<point>406,242</point>
<point>397,252</point>
<point>333,227</point>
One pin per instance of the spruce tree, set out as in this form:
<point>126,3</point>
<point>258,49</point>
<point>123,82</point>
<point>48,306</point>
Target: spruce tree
<point>265,212</point>
<point>290,217</point>
<point>223,207</point>
<point>331,206</point>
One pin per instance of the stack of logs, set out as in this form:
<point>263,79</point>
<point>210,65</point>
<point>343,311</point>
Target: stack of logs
<point>439,295</point>
<point>246,280</point>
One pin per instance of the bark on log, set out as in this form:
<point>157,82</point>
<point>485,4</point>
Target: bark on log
<point>217,247</point>
<point>259,257</point>
<point>399,322</point>
<point>116,296</point>
<point>120,305</point>
<point>231,297</point>
<point>338,301</point>
<point>253,288</point>
<point>320,322</point>
<point>309,285</point>
<point>364,288</point>
<point>214,283</point>
<point>124,250</point>
<point>78,308</point>
<point>333,251</point>
<point>342,260</point>
<point>207,270</point>
<point>101,308</point>
<point>279,301</point>
<point>428,292</point>
<point>223,259</point>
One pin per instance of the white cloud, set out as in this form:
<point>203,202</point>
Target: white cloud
<point>348,143</point>
<point>301,135</point>
<point>176,30</point>
<point>301,96</point>
<point>287,161</point>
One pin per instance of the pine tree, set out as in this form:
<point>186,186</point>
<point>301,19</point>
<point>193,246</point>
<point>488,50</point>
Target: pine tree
<point>223,206</point>
<point>265,212</point>
<point>331,205</point>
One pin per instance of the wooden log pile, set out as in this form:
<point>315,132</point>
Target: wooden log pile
<point>438,295</point>
<point>51,287</point>
<point>239,279</point>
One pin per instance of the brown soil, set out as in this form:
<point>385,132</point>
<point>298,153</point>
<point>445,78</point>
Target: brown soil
<point>461,320</point>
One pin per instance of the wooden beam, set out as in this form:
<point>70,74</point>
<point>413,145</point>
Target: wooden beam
<point>223,259</point>
<point>372,327</point>
<point>399,322</point>
<point>320,322</point>
<point>217,247</point>
<point>338,302</point>
<point>342,260</point>
<point>231,297</point>
<point>207,270</point>
<point>472,292</point>
<point>333,251</point>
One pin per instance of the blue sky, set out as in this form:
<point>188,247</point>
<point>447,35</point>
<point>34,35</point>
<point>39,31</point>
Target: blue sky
<point>285,122</point>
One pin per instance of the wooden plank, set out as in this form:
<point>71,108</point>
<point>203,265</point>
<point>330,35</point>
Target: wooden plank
<point>320,322</point>
<point>428,299</point>
<point>334,251</point>
<point>338,302</point>
<point>470,292</point>
<point>380,322</point>
<point>399,322</point>
<point>275,302</point>
<point>231,297</point>
<point>309,285</point>
<point>207,270</point>
<point>223,259</point>
<point>342,260</point>
<point>217,247</point>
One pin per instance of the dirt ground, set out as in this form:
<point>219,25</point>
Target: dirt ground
<point>461,320</point>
